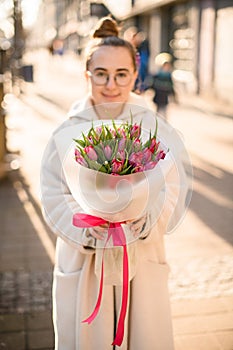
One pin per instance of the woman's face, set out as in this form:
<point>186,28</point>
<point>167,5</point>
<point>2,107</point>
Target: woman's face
<point>112,74</point>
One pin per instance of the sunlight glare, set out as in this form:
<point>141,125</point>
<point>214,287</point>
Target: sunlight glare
<point>30,11</point>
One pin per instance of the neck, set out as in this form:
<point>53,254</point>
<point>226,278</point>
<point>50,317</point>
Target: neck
<point>108,111</point>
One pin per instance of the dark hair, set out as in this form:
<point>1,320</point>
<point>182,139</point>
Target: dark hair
<point>106,34</point>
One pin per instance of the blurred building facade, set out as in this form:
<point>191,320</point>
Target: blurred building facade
<point>68,20</point>
<point>196,33</point>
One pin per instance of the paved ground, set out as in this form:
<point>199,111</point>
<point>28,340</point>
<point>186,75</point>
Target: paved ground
<point>25,271</point>
<point>200,252</point>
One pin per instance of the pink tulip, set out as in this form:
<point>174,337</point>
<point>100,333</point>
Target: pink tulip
<point>90,152</point>
<point>150,165</point>
<point>77,153</point>
<point>98,130</point>
<point>161,155</point>
<point>136,145</point>
<point>90,138</point>
<point>82,162</point>
<point>146,155</point>
<point>120,155</point>
<point>136,158</point>
<point>108,152</point>
<point>121,144</point>
<point>79,158</point>
<point>135,131</point>
<point>154,145</point>
<point>121,132</point>
<point>117,166</point>
<point>139,168</point>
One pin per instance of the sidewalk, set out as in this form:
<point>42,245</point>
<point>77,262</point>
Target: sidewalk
<point>25,270</point>
<point>200,252</point>
<point>203,324</point>
<point>208,104</point>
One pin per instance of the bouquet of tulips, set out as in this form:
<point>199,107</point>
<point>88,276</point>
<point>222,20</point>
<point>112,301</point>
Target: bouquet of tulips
<point>118,149</point>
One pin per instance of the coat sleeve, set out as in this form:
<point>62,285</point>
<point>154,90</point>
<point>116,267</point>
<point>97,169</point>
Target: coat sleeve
<point>165,215</point>
<point>58,204</point>
<point>171,204</point>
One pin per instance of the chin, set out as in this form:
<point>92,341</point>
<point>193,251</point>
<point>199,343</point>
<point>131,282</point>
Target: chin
<point>112,99</point>
<point>115,100</point>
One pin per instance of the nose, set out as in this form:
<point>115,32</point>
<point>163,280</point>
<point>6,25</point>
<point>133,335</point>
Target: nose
<point>111,83</point>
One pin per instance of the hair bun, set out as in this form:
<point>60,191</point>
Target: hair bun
<point>106,27</point>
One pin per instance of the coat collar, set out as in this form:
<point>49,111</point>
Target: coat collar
<point>84,110</point>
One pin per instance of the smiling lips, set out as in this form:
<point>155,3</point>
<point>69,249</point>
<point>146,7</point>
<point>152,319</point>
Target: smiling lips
<point>110,96</point>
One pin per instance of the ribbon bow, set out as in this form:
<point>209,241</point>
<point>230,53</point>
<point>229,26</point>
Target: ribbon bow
<point>116,232</point>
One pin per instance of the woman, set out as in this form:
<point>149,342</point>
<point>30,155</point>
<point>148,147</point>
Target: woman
<point>111,70</point>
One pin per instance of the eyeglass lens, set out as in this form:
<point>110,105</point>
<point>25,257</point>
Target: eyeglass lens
<point>102,78</point>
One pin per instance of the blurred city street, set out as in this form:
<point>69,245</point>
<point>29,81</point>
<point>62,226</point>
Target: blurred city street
<point>200,251</point>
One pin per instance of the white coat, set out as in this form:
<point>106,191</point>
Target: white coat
<point>148,323</point>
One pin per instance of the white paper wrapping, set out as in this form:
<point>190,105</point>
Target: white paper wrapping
<point>113,198</point>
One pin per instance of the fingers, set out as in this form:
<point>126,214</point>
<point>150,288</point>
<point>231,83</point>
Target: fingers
<point>137,221</point>
<point>137,226</point>
<point>99,232</point>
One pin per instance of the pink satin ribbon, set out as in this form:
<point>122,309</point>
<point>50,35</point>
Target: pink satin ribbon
<point>116,232</point>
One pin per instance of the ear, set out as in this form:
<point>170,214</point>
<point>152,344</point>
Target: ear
<point>135,75</point>
<point>86,75</point>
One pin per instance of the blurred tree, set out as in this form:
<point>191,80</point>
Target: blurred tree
<point>19,44</point>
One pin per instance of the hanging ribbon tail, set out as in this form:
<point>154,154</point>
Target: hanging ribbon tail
<point>121,323</point>
<point>117,233</point>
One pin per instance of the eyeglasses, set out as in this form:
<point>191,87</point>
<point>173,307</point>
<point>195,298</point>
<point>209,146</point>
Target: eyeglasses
<point>102,78</point>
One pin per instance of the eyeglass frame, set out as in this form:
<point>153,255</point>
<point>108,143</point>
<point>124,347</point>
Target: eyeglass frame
<point>91,75</point>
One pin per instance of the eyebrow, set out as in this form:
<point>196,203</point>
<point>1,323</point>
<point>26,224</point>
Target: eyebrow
<point>106,70</point>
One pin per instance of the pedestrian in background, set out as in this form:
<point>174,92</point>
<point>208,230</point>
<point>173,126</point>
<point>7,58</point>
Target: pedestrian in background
<point>111,71</point>
<point>141,44</point>
<point>162,85</point>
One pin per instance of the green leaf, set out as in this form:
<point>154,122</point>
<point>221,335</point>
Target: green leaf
<point>114,151</point>
<point>100,153</point>
<point>128,146</point>
<point>148,142</point>
<point>103,169</point>
<point>156,129</point>
<point>115,128</point>
<point>126,171</point>
<point>109,134</point>
<point>92,164</point>
<point>80,143</point>
<point>86,140</point>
